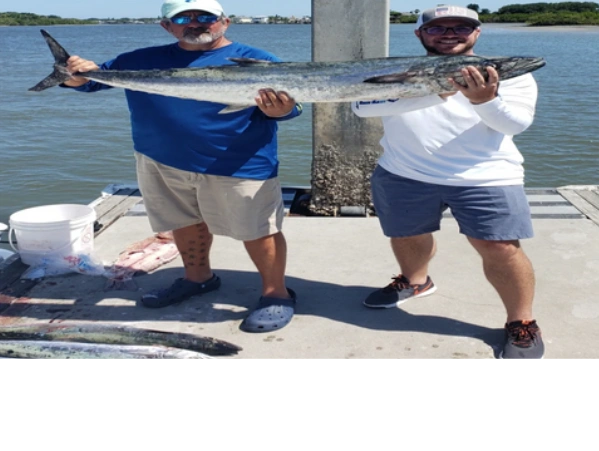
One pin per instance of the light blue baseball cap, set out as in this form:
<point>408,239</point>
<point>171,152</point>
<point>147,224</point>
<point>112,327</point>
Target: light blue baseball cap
<point>171,8</point>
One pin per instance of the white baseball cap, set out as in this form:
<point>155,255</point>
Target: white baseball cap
<point>447,12</point>
<point>171,8</point>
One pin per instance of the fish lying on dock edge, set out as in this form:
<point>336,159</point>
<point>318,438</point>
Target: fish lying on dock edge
<point>117,335</point>
<point>32,349</point>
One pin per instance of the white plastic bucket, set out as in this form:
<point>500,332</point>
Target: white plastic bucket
<point>52,232</point>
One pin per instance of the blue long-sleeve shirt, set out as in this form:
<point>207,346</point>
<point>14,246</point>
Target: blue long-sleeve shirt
<point>190,134</point>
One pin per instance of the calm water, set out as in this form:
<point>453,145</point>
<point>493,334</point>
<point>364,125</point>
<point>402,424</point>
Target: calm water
<point>65,147</point>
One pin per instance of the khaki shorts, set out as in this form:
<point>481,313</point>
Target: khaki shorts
<point>242,209</point>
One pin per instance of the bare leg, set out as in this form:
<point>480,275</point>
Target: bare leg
<point>413,255</point>
<point>269,254</point>
<point>509,270</point>
<point>194,243</point>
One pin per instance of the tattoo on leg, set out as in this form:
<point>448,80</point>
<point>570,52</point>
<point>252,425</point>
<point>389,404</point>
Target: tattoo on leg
<point>197,249</point>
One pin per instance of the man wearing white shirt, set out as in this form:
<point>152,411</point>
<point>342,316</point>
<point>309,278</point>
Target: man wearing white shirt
<point>455,150</point>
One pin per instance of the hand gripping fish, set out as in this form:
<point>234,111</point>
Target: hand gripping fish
<point>236,85</point>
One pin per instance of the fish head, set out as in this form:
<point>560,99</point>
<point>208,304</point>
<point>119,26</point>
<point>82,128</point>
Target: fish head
<point>510,67</point>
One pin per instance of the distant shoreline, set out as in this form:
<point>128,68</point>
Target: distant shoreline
<point>523,26</point>
<point>520,26</point>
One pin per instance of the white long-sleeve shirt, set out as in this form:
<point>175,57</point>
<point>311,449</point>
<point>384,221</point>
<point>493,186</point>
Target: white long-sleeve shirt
<point>452,142</point>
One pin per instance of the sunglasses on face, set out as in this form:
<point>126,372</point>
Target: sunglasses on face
<point>440,31</point>
<point>205,18</point>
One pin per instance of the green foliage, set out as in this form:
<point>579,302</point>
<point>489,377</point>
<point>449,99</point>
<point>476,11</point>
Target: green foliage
<point>504,18</point>
<point>547,14</point>
<point>545,18</point>
<point>409,19</point>
<point>563,13</point>
<point>538,14</point>
<point>537,8</point>
<point>396,17</point>
<point>12,18</point>
<point>564,18</point>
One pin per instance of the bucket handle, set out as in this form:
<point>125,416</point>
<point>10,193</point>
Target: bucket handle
<point>10,232</point>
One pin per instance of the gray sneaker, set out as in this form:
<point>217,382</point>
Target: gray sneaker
<point>399,291</point>
<point>523,341</point>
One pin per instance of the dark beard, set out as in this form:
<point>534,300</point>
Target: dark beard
<point>434,51</point>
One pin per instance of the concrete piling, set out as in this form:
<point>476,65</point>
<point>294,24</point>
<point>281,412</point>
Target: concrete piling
<point>345,147</point>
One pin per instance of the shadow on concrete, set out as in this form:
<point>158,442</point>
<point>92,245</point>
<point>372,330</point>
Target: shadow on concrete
<point>53,301</point>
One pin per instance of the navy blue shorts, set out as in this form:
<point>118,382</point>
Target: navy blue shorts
<point>408,207</point>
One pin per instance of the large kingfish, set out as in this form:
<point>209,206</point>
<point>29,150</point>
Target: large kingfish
<point>29,349</point>
<point>237,85</point>
<point>111,334</point>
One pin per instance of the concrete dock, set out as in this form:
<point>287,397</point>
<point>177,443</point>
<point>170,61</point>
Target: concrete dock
<point>333,264</point>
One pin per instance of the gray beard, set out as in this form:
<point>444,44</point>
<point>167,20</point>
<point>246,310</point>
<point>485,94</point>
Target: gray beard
<point>203,38</point>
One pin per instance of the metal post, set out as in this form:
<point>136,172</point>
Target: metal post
<point>345,147</point>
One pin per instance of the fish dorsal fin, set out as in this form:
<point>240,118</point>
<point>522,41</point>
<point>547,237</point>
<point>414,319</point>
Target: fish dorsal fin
<point>391,78</point>
<point>250,61</point>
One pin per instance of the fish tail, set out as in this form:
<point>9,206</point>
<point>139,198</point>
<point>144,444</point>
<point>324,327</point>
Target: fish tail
<point>60,73</point>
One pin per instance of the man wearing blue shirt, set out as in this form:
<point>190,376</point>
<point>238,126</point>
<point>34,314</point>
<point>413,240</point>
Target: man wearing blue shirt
<point>203,173</point>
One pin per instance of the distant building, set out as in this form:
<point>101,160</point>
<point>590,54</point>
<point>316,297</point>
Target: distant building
<point>242,19</point>
<point>271,20</point>
<point>305,19</point>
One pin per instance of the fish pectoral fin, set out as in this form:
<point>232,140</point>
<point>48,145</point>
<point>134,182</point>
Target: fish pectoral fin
<point>401,77</point>
<point>251,61</point>
<point>234,108</point>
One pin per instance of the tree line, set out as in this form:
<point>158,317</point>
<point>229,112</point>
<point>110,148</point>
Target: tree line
<point>11,18</point>
<point>534,14</point>
<point>24,19</point>
<point>543,14</point>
